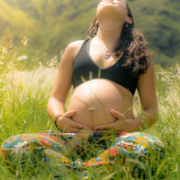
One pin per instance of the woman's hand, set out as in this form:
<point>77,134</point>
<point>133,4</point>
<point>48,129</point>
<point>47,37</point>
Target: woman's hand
<point>66,124</point>
<point>122,124</point>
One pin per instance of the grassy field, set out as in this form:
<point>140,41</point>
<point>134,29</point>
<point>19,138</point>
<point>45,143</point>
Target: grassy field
<point>23,100</point>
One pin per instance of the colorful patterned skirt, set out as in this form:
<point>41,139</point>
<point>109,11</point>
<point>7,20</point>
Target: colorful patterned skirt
<point>57,152</point>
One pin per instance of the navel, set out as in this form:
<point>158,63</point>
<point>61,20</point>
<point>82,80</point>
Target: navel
<point>92,109</point>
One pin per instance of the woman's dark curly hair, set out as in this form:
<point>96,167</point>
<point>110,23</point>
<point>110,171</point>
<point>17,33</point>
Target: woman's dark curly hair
<point>132,44</point>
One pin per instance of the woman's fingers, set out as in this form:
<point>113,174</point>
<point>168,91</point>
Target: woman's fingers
<point>118,115</point>
<point>114,126</point>
<point>78,125</point>
<point>105,127</point>
<point>73,123</point>
<point>69,114</point>
<point>76,130</point>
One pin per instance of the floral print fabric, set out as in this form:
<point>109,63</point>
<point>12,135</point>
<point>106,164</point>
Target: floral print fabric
<point>81,150</point>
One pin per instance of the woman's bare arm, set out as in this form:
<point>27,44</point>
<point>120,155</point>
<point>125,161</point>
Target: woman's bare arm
<point>60,92</point>
<point>63,83</point>
<point>147,94</point>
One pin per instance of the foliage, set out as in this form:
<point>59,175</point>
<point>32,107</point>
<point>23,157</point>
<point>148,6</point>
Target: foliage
<point>23,100</point>
<point>52,25</point>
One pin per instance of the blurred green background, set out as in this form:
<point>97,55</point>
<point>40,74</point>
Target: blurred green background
<point>45,27</point>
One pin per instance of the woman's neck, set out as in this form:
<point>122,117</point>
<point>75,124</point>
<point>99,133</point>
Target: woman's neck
<point>109,33</point>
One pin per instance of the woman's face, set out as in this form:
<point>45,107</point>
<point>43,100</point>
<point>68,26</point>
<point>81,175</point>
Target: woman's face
<point>112,9</point>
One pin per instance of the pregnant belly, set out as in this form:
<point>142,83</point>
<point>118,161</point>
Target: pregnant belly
<point>93,101</point>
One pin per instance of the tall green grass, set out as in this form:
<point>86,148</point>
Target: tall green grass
<point>23,101</point>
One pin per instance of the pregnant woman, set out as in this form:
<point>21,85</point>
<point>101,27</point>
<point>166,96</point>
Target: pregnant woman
<point>105,71</point>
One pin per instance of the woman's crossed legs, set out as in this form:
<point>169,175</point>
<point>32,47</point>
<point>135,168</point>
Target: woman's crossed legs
<point>52,150</point>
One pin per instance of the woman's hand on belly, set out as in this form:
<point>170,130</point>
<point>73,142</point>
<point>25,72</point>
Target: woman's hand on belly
<point>93,101</point>
<point>66,124</point>
<point>122,124</point>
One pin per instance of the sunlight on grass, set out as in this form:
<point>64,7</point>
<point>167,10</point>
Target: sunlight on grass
<point>23,101</point>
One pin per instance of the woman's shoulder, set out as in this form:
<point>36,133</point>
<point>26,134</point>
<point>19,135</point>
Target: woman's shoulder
<point>76,44</point>
<point>74,47</point>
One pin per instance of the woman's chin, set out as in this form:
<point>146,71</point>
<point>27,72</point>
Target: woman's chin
<point>107,4</point>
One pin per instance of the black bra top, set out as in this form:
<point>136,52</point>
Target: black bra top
<point>83,65</point>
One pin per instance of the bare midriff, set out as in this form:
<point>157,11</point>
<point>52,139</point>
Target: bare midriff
<point>94,99</point>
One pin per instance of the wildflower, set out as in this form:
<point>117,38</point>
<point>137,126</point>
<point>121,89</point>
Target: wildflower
<point>25,42</point>
<point>23,57</point>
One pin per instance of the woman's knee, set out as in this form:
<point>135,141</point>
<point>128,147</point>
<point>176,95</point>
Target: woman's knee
<point>16,146</point>
<point>18,151</point>
<point>143,151</point>
<point>141,145</point>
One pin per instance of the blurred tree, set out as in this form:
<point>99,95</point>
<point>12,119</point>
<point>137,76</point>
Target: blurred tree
<point>52,25</point>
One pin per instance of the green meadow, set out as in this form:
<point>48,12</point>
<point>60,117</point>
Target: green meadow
<point>23,100</point>
<point>49,25</point>
<point>27,76</point>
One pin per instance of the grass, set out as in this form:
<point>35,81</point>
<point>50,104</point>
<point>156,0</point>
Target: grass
<point>23,100</point>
